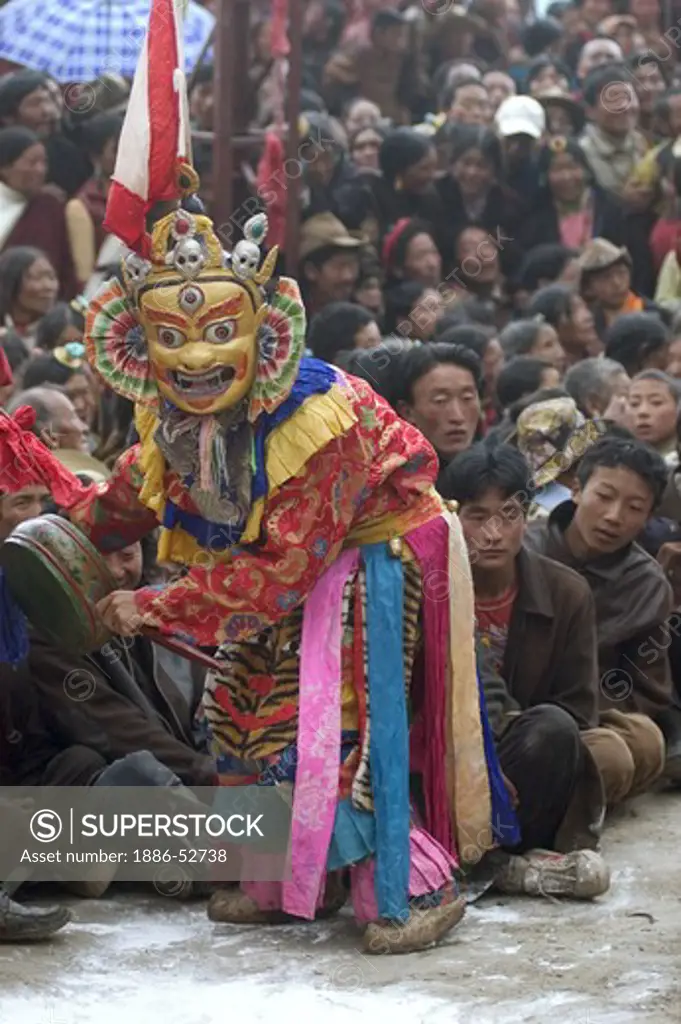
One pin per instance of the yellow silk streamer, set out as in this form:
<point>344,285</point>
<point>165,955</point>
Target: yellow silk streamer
<point>467,776</point>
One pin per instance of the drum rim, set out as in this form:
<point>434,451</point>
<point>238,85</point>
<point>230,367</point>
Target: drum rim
<point>90,630</point>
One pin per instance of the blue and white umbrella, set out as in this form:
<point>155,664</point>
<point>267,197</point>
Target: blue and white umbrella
<point>80,40</point>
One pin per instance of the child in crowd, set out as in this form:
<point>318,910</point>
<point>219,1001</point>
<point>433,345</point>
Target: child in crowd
<point>606,283</point>
<point>654,403</point>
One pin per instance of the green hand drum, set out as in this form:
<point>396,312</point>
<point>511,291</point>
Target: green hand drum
<point>57,576</point>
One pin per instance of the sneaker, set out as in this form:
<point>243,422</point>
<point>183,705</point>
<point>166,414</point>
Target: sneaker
<point>580,875</point>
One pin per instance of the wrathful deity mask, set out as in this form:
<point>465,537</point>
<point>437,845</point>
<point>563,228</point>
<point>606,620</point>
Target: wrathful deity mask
<point>202,342</point>
<point>199,314</point>
<point>192,324</point>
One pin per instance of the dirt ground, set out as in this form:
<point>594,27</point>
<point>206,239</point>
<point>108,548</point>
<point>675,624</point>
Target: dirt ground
<point>132,959</point>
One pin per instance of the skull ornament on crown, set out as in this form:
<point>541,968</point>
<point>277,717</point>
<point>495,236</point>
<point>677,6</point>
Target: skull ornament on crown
<point>194,327</point>
<point>245,258</point>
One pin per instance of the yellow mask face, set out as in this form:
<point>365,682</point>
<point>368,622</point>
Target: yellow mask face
<point>202,343</point>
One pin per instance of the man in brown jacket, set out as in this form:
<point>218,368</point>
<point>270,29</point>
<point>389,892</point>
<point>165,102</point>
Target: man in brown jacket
<point>619,483</point>
<point>536,625</point>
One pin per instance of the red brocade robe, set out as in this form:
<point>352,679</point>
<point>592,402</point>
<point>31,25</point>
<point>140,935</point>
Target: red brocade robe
<point>360,476</point>
<point>371,481</point>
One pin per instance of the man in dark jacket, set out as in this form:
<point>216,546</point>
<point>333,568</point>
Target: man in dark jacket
<point>619,483</point>
<point>120,716</point>
<point>536,624</point>
<point>101,707</point>
<point>19,922</point>
<point>79,722</point>
<point>91,711</point>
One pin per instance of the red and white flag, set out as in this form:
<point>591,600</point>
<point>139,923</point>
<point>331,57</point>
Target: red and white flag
<point>155,134</point>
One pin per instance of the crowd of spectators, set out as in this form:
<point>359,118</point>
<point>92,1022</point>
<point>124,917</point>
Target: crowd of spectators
<point>490,235</point>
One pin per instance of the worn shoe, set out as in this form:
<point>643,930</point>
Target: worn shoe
<point>232,906</point>
<point>29,924</point>
<point>580,875</point>
<point>424,928</point>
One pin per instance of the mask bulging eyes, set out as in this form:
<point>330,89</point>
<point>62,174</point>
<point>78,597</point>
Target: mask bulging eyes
<point>169,337</point>
<point>220,334</point>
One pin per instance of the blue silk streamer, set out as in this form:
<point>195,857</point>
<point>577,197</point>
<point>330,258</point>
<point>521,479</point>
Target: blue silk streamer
<point>389,743</point>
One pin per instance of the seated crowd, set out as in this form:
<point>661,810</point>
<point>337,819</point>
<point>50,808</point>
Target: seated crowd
<point>493,245</point>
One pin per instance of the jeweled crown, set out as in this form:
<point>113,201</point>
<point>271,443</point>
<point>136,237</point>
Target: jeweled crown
<point>185,247</point>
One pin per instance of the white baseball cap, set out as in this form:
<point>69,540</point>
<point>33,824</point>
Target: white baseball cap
<point>520,115</point>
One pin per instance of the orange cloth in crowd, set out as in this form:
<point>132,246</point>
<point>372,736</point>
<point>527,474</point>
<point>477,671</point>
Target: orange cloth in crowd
<point>633,304</point>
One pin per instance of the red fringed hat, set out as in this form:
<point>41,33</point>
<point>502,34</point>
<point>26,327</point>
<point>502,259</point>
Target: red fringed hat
<point>26,462</point>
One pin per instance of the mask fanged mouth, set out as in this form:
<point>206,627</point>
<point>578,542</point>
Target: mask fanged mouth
<point>205,384</point>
